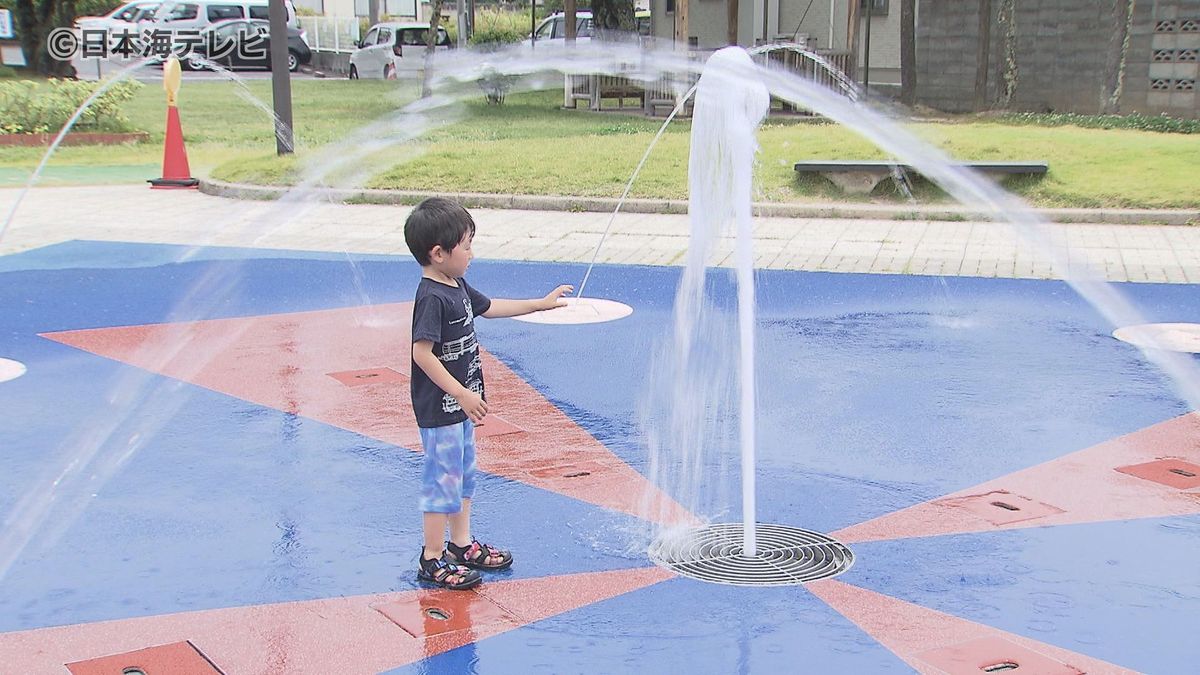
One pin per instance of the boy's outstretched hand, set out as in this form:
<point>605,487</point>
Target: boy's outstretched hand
<point>554,298</point>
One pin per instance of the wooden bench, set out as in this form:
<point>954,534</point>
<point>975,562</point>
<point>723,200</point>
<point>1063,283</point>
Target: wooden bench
<point>861,176</point>
<point>595,88</point>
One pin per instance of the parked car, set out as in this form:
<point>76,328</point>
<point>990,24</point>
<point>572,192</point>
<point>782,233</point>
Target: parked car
<point>123,16</point>
<point>393,50</point>
<point>249,44</point>
<point>199,14</point>
<point>554,27</point>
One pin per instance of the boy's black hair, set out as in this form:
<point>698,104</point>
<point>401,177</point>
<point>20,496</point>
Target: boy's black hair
<point>436,222</point>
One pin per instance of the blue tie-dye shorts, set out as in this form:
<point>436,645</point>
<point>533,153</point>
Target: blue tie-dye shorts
<point>449,467</point>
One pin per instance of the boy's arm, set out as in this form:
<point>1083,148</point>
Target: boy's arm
<point>472,403</point>
<point>502,308</point>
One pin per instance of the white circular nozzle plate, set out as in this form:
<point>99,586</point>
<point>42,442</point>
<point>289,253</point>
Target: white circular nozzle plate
<point>1176,337</point>
<point>11,370</point>
<point>581,310</point>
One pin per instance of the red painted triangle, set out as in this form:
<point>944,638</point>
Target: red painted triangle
<point>292,362</point>
<point>335,635</point>
<point>937,643</point>
<point>1091,485</point>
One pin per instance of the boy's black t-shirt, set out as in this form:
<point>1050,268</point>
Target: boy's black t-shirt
<point>445,315</point>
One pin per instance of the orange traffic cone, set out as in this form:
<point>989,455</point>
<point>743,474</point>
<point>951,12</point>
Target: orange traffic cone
<point>175,171</point>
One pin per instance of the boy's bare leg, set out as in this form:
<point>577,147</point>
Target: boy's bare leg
<point>435,531</point>
<point>460,526</point>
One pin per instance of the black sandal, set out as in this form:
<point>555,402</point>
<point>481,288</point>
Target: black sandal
<point>475,556</point>
<point>440,571</point>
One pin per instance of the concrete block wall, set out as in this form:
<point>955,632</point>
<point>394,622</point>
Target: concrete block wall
<point>1064,68</point>
<point>1056,53</point>
<point>946,45</point>
<point>1162,72</point>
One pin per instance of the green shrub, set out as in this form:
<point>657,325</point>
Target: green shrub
<point>1160,123</point>
<point>496,27</point>
<point>28,107</point>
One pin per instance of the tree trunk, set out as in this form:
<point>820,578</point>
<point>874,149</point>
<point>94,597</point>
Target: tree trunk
<point>435,18</point>
<point>981,56</point>
<point>1114,63</point>
<point>35,22</point>
<point>613,15</point>
<point>908,52</point>
<point>852,21</point>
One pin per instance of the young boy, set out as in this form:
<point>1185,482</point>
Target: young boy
<point>447,388</point>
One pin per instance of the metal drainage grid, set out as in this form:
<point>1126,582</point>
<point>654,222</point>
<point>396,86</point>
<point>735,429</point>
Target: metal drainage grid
<point>785,556</point>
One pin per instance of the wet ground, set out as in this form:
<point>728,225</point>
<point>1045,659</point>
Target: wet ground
<point>237,496</point>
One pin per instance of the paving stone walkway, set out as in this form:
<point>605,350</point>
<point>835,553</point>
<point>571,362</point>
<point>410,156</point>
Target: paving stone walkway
<point>1145,253</point>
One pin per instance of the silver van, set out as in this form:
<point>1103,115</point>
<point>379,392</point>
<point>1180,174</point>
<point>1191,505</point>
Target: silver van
<point>197,14</point>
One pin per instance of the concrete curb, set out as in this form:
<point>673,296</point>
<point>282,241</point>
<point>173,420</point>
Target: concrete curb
<point>677,206</point>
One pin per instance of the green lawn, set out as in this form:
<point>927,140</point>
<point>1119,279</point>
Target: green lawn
<point>219,126</point>
<point>529,145</point>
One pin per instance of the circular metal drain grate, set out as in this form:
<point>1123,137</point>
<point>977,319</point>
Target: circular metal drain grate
<point>786,555</point>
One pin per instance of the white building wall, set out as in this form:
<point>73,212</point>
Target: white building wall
<point>885,40</point>
<point>824,23</point>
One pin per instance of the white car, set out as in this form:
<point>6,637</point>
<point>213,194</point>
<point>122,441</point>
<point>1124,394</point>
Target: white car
<point>553,29</point>
<point>394,50</point>
<point>124,16</point>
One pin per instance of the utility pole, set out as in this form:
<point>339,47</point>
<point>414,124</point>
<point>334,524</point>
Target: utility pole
<point>460,14</point>
<point>731,17</point>
<point>867,49</point>
<point>908,52</point>
<point>281,78</point>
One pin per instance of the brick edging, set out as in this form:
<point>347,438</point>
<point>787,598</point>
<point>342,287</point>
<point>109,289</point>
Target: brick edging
<point>78,138</point>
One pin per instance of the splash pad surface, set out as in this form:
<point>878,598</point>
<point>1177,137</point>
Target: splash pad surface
<point>895,411</point>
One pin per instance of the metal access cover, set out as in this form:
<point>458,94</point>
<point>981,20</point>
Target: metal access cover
<point>176,658</point>
<point>786,556</point>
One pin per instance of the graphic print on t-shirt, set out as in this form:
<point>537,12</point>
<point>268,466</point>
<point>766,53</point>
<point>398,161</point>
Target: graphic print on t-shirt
<point>445,315</point>
<point>469,318</point>
<point>452,351</point>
